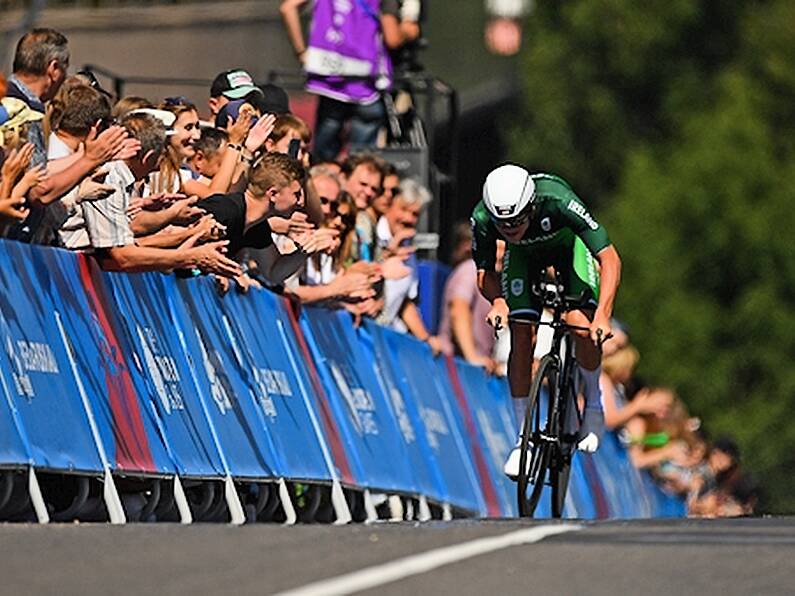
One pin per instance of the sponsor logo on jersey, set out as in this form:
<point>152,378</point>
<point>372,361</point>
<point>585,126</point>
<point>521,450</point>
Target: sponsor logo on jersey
<point>546,225</point>
<point>517,287</point>
<point>580,210</point>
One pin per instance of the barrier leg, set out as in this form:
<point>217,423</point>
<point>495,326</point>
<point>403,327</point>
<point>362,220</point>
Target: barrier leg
<point>396,510</point>
<point>185,516</point>
<point>424,513</point>
<point>112,500</point>
<point>340,503</point>
<point>236,513</point>
<point>287,504</point>
<point>36,498</point>
<point>447,512</point>
<point>369,507</point>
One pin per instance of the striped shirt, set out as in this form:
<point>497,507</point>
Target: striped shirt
<point>106,220</point>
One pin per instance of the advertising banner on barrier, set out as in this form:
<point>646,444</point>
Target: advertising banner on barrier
<point>429,401</point>
<point>427,475</point>
<point>160,370</point>
<point>259,339</point>
<point>490,417</point>
<point>209,401</point>
<point>128,433</point>
<point>37,375</point>
<point>363,414</point>
<point>238,403</point>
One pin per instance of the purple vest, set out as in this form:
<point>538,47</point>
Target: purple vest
<point>346,59</point>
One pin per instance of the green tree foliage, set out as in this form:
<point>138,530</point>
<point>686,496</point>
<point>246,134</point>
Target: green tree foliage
<point>697,192</point>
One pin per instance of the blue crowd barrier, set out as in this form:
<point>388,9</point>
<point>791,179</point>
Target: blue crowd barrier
<point>37,375</point>
<point>492,420</point>
<point>433,409</point>
<point>268,355</point>
<point>371,433</point>
<point>128,432</point>
<point>146,374</point>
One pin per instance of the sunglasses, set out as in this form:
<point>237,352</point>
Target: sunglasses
<point>509,224</point>
<point>328,201</point>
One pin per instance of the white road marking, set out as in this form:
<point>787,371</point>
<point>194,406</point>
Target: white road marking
<point>378,575</point>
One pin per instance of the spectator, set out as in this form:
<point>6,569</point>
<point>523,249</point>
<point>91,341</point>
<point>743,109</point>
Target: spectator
<point>617,370</point>
<point>325,278</point>
<point>73,112</point>
<point>106,231</point>
<point>721,476</point>
<point>175,176</point>
<point>129,104</point>
<point>209,153</point>
<point>274,100</point>
<point>362,178</point>
<point>661,437</point>
<point>275,187</point>
<point>394,232</point>
<point>389,187</point>
<point>355,37</point>
<point>40,64</point>
<point>288,131</point>
<point>463,328</point>
<point>230,85</point>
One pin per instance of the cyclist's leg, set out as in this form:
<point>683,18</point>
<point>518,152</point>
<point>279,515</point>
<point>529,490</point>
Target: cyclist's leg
<point>524,309</point>
<point>581,276</point>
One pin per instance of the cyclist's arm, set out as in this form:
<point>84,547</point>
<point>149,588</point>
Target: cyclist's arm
<point>610,277</point>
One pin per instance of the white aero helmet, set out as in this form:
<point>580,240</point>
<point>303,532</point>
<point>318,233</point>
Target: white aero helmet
<point>508,192</point>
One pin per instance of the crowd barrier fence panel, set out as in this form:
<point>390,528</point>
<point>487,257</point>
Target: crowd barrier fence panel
<point>89,315</point>
<point>364,416</point>
<point>161,371</point>
<point>431,403</point>
<point>420,457</point>
<point>237,408</point>
<point>260,338</point>
<point>479,431</point>
<point>37,374</point>
<point>492,418</point>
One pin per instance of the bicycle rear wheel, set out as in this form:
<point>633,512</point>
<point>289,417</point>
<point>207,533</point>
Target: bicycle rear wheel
<point>536,451</point>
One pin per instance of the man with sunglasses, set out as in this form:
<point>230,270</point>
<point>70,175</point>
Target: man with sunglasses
<point>544,224</point>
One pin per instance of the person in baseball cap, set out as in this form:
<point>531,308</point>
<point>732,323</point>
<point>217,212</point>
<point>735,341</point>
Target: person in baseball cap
<point>230,85</point>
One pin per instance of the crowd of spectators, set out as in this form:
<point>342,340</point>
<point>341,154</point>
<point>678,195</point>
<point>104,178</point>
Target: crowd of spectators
<point>661,436</point>
<point>231,190</point>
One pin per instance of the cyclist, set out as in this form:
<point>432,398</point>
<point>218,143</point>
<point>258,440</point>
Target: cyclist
<point>544,224</point>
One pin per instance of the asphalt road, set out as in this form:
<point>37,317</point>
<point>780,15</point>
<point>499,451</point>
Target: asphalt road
<point>681,557</point>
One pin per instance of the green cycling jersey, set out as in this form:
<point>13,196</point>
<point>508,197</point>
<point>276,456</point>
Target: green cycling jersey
<point>558,217</point>
<point>561,233</point>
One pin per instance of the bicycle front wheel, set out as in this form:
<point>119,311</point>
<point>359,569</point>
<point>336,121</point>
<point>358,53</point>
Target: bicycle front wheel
<point>536,449</point>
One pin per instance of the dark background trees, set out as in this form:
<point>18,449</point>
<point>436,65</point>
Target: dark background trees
<point>676,120</point>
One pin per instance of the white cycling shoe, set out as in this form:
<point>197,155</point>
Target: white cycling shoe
<point>511,466</point>
<point>593,427</point>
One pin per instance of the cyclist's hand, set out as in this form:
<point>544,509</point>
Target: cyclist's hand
<point>600,329</point>
<point>498,315</point>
